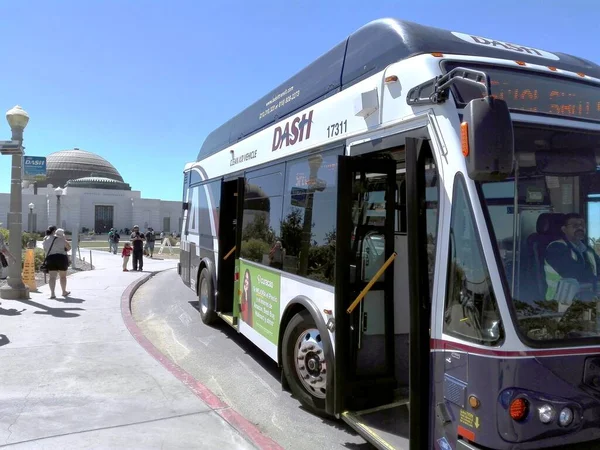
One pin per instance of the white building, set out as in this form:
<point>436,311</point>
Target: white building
<point>94,197</point>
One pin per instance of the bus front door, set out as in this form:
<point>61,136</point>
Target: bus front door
<point>364,338</point>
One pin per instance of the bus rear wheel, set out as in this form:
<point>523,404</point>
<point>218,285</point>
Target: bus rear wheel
<point>304,363</point>
<point>206,298</point>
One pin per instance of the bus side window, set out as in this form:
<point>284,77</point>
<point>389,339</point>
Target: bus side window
<point>262,216</point>
<point>471,311</point>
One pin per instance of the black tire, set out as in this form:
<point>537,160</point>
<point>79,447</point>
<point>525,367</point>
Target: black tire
<point>311,398</point>
<point>207,305</point>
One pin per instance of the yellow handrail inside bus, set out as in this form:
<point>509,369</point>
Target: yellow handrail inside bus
<point>229,254</point>
<point>371,283</point>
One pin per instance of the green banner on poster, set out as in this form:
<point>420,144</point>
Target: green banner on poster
<point>259,300</point>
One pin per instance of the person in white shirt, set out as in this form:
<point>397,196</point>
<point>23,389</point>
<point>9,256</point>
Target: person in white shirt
<point>56,247</point>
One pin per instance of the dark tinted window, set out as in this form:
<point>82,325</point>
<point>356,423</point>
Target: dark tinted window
<point>309,217</point>
<point>471,311</point>
<point>262,216</point>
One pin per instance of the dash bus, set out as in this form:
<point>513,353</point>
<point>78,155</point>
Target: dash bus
<point>378,226</point>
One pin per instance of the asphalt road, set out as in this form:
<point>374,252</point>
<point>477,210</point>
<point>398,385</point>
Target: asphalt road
<point>232,367</point>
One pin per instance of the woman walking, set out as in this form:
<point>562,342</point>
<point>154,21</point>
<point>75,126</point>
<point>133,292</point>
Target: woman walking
<point>57,260</point>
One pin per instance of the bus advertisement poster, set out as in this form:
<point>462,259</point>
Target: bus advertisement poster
<point>260,300</point>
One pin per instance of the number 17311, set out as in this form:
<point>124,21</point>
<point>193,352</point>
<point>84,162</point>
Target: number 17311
<point>337,128</point>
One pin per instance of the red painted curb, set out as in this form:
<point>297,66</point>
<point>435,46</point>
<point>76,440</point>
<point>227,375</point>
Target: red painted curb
<point>231,416</point>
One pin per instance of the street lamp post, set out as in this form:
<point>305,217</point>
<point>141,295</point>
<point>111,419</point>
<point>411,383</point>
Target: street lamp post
<point>59,192</point>
<point>15,289</point>
<point>30,221</point>
<point>314,164</point>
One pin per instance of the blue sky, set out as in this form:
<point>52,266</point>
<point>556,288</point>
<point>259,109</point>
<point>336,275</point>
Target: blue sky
<point>143,82</point>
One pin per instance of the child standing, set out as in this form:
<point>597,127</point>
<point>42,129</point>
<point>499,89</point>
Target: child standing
<point>127,249</point>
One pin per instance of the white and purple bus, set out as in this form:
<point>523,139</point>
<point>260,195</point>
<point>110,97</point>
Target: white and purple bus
<point>379,226</point>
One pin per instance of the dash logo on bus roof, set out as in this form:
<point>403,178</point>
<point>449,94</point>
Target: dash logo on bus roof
<point>471,39</point>
<point>294,131</point>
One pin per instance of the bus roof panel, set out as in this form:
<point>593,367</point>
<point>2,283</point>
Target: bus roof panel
<point>367,51</point>
<point>319,79</point>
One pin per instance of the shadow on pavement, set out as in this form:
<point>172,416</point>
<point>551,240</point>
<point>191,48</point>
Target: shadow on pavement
<point>271,367</point>
<point>56,312</point>
<point>4,340</point>
<point>245,344</point>
<point>70,300</point>
<point>10,312</point>
<point>365,446</point>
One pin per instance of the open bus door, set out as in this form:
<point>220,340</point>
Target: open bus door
<point>367,395</point>
<point>230,235</point>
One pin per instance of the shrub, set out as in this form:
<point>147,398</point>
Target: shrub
<point>254,249</point>
<point>26,237</point>
<point>39,257</point>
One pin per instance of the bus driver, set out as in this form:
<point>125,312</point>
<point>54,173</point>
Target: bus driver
<point>571,257</point>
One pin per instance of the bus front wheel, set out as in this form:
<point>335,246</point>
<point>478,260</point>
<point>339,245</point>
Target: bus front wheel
<point>206,298</point>
<point>304,363</point>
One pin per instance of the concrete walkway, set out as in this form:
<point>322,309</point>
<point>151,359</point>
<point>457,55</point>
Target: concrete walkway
<point>72,375</point>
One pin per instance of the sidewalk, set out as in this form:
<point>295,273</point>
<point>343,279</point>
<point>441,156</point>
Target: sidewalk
<point>72,376</point>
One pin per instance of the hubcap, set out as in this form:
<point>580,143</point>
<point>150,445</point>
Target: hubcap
<point>310,362</point>
<point>204,295</point>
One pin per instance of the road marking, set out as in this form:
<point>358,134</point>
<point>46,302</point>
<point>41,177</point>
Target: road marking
<point>186,350</point>
<point>205,340</point>
<point>221,391</point>
<point>274,424</point>
<point>185,319</point>
<point>255,375</point>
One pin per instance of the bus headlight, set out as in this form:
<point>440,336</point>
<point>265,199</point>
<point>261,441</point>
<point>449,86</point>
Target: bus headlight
<point>566,417</point>
<point>546,413</point>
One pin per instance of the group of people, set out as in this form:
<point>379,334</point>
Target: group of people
<point>141,244</point>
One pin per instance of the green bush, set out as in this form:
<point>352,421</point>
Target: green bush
<point>39,258</point>
<point>25,237</point>
<point>254,249</point>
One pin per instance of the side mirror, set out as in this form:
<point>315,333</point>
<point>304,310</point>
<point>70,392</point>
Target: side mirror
<point>487,139</point>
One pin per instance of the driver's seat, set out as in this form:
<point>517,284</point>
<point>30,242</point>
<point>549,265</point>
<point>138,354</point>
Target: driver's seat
<point>548,229</point>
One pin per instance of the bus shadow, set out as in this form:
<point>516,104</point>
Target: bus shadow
<point>271,368</point>
<point>245,344</point>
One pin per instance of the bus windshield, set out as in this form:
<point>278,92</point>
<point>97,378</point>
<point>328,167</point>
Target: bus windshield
<point>546,224</point>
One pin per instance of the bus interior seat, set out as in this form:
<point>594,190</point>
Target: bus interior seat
<point>548,229</point>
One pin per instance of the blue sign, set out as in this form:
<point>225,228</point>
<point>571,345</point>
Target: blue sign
<point>299,197</point>
<point>34,167</point>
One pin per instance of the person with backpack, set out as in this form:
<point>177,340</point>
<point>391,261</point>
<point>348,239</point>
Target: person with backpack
<point>150,238</point>
<point>113,240</point>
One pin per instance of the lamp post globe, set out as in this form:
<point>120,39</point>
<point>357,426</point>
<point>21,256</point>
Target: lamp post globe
<point>17,119</point>
<point>31,206</point>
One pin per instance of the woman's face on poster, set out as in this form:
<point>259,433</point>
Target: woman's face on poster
<point>246,281</point>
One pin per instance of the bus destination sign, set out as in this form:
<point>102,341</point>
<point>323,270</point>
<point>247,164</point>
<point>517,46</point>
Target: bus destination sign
<point>537,93</point>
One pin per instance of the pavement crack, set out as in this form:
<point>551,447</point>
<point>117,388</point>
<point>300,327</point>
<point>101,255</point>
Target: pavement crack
<point>142,422</point>
<point>25,400</point>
